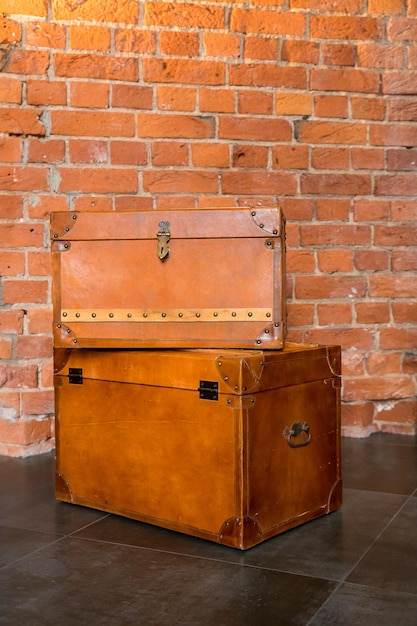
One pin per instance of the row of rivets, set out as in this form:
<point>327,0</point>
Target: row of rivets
<point>129,315</point>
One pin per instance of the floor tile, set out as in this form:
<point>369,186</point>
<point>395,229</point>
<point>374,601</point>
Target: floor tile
<point>391,562</point>
<point>352,605</point>
<point>89,582</point>
<point>16,543</point>
<point>327,547</point>
<point>374,465</point>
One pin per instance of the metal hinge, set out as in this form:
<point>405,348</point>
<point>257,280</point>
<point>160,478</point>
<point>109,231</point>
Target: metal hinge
<point>209,390</point>
<point>75,376</point>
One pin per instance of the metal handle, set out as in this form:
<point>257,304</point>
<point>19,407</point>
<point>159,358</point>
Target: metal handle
<point>295,430</point>
<point>163,236</point>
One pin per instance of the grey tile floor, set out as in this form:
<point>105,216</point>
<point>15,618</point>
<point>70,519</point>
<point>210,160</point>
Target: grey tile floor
<point>63,564</point>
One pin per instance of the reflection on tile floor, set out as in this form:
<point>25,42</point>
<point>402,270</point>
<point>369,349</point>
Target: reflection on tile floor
<point>64,564</point>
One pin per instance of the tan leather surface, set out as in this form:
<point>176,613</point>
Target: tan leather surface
<point>150,448</point>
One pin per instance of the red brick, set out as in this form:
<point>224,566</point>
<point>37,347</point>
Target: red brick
<point>46,92</point>
<point>403,110</point>
<point>335,184</point>
<point>183,181</point>
<point>353,363</point>
<point>399,83</point>
<point>371,260</point>
<point>89,95</point>
<point>347,337</point>
<point>21,122</point>
<point>395,235</point>
<point>356,80</point>
<point>333,209</point>
<point>334,314</point>
<point>319,287</point>
<point>39,321</point>
<point>368,108</point>
<point>46,35</point>
<point>169,153</point>
<point>409,364</point>
<point>402,29</point>
<point>104,11</point>
<point>299,51</point>
<point>293,103</point>
<point>268,183</point>
<point>398,338</point>
<point>179,15</point>
<point>25,7</point>
<point>357,414</point>
<point>404,260</point>
<point>331,106</point>
<point>259,102</point>
<point>331,132</point>
<point>300,209</point>
<point>38,403</point>
<point>383,388</point>
<point>39,263</point>
<point>175,202</point>
<point>10,149</point>
<point>384,56</point>
<point>96,66</point>
<point>134,40</point>
<point>330,158</point>
<point>6,349</point>
<point>11,31</point>
<point>290,157</point>
<point>372,312</point>
<point>402,159</point>
<point>335,260</point>
<point>10,90</point>
<point>268,75</point>
<point>128,153</point>
<point>33,347</point>
<point>88,151</point>
<point>46,151</point>
<point>371,210</point>
<point>338,54</point>
<point>176,98</point>
<point>132,96</point>
<point>217,100</point>
<point>346,27</point>
<point>300,314</point>
<point>270,22</point>
<point>179,43</point>
<point>92,203</point>
<point>18,376</point>
<point>368,158</point>
<point>40,206</point>
<point>92,123</point>
<point>210,155</point>
<point>11,321</point>
<point>25,291</point>
<point>89,37</point>
<point>350,6</point>
<point>262,48</point>
<point>185,71</point>
<point>393,135</point>
<point>27,62</point>
<point>221,45</point>
<point>392,286</point>
<point>404,312</point>
<point>11,264</point>
<point>396,185</point>
<point>335,235</point>
<point>175,126</point>
<point>385,6</point>
<point>25,432</point>
<point>254,128</point>
<point>250,156</point>
<point>404,411</point>
<point>23,178</point>
<point>300,261</point>
<point>47,374</point>
<point>382,363</point>
<point>97,180</point>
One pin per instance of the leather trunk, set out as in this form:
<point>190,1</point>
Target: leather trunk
<point>230,446</point>
<point>169,279</point>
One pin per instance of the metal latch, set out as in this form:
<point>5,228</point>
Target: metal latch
<point>163,236</point>
<point>75,376</point>
<point>209,390</point>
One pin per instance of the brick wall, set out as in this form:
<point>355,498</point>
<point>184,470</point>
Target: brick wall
<point>307,103</point>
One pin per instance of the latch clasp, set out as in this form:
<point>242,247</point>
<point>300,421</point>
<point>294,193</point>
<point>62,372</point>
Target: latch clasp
<point>163,236</point>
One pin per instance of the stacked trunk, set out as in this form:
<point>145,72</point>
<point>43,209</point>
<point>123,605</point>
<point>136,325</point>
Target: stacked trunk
<point>178,402</point>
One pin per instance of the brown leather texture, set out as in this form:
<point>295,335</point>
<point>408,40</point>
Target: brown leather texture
<point>169,279</point>
<point>233,446</point>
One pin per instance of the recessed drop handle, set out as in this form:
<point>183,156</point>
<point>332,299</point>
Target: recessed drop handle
<point>296,430</point>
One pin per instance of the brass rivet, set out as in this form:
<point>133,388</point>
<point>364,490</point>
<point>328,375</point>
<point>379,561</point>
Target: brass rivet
<point>250,314</point>
<point>219,363</point>
<point>74,217</point>
<point>66,229</point>
<point>74,341</point>
<point>268,315</point>
<point>66,246</point>
<point>276,325</point>
<point>215,314</point>
<point>180,314</point>
<point>253,213</point>
<point>93,314</point>
<point>229,401</point>
<point>258,341</point>
<point>236,387</point>
<point>261,225</point>
<point>77,315</point>
<point>234,314</point>
<point>68,331</point>
<point>111,314</point>
<point>198,314</point>
<point>58,325</point>
<point>164,314</point>
<point>64,314</point>
<point>145,315</point>
<point>266,331</point>
<point>226,378</point>
<point>275,232</point>
<point>129,315</point>
<point>55,236</point>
